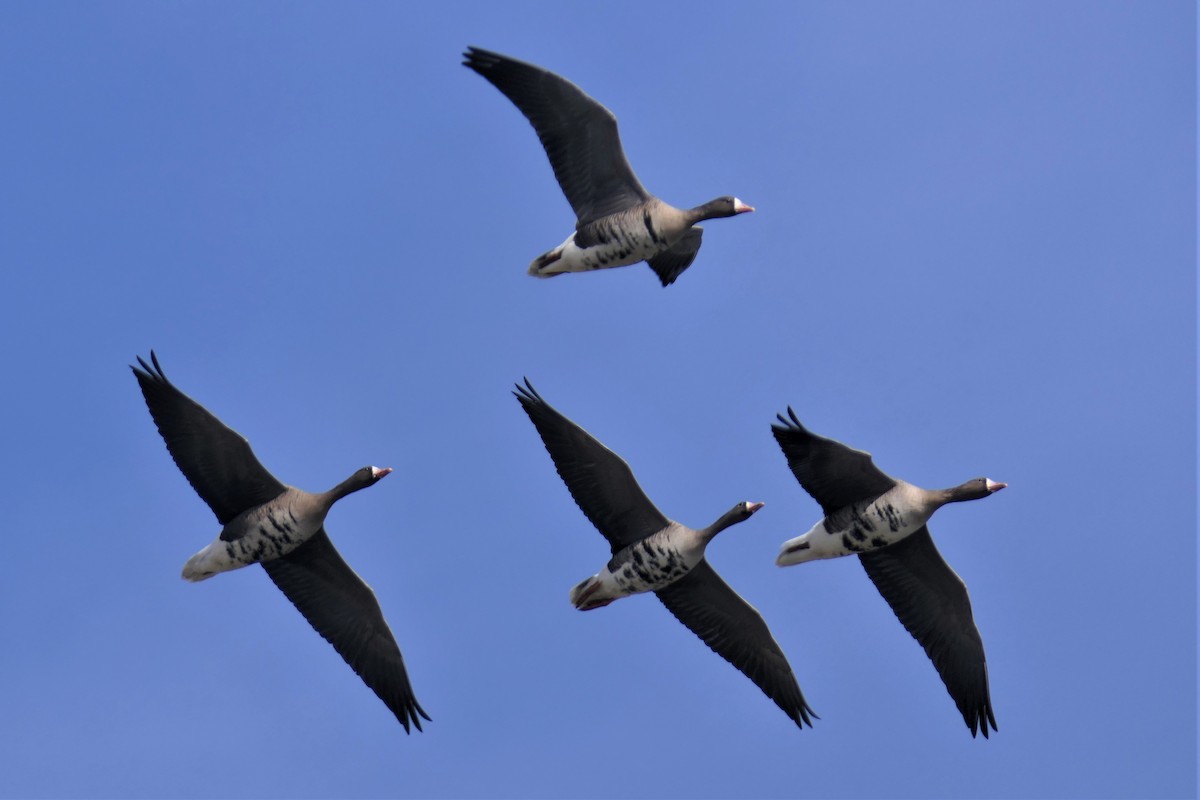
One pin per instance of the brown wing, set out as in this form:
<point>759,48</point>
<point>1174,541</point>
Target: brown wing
<point>579,135</point>
<point>600,481</point>
<point>342,608</point>
<point>216,460</point>
<point>931,601</point>
<point>832,473</point>
<point>735,631</point>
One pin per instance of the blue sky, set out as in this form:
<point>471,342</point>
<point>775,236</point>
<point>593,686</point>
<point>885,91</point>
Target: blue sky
<point>974,254</point>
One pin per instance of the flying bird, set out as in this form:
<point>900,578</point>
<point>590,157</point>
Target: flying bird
<point>654,554</point>
<point>618,222</point>
<point>882,520</point>
<point>283,529</point>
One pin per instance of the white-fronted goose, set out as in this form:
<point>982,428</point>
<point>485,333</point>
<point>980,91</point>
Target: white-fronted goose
<point>653,553</point>
<point>882,519</point>
<point>617,221</point>
<point>281,528</point>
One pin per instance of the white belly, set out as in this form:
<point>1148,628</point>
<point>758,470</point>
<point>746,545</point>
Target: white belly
<point>645,566</point>
<point>856,529</point>
<point>618,252</point>
<point>263,534</point>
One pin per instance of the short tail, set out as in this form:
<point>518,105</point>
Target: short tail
<point>582,594</point>
<point>793,551</point>
<point>197,567</point>
<point>541,266</point>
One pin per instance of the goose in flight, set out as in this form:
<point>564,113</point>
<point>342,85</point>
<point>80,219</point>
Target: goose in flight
<point>282,528</point>
<point>883,521</point>
<point>617,222</point>
<point>651,553</point>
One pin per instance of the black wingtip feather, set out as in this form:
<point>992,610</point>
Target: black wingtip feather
<point>527,394</point>
<point>788,424</point>
<point>982,718</point>
<point>479,59</point>
<point>409,715</point>
<point>154,373</point>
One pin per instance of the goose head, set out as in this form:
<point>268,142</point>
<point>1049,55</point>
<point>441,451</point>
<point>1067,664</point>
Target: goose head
<point>361,479</point>
<point>739,513</point>
<point>721,207</point>
<point>974,490</point>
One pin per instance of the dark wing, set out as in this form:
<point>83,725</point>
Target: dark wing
<point>670,264</point>
<point>600,481</point>
<point>216,460</point>
<point>343,609</point>
<point>932,602</point>
<point>736,632</point>
<point>579,135</point>
<point>832,473</point>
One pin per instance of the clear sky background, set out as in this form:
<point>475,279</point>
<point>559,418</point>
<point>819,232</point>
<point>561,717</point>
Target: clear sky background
<point>974,254</point>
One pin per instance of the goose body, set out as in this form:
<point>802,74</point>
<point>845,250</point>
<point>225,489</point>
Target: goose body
<point>883,521</point>
<point>650,564</point>
<point>618,222</point>
<point>258,534</point>
<point>871,524</point>
<point>862,526</point>
<point>620,247</point>
<point>661,235</point>
<point>282,528</point>
<point>269,531</point>
<point>645,566</point>
<point>651,553</point>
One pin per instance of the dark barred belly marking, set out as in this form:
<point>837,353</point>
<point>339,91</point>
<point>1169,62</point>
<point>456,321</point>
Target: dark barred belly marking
<point>859,527</point>
<point>275,535</point>
<point>646,219</point>
<point>645,566</point>
<point>894,520</point>
<point>607,243</point>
